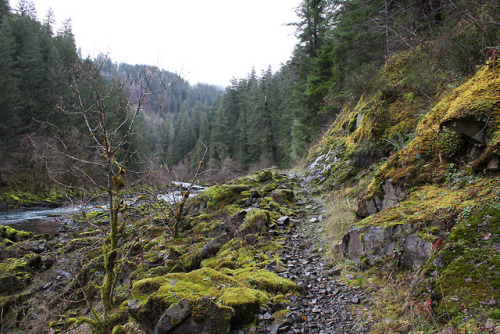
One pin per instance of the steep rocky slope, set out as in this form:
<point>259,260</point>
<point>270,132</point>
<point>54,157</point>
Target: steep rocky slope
<point>424,166</point>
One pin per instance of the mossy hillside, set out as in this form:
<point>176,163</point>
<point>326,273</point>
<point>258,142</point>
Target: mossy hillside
<point>382,122</point>
<point>427,157</point>
<point>462,279</point>
<point>430,147</point>
<point>459,283</point>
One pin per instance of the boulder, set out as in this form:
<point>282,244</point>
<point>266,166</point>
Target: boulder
<point>470,128</point>
<point>204,300</point>
<point>384,243</point>
<point>283,196</point>
<point>15,274</point>
<point>254,222</point>
<point>392,195</point>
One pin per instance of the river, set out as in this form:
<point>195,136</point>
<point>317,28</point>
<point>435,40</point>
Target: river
<point>37,220</point>
<point>40,220</point>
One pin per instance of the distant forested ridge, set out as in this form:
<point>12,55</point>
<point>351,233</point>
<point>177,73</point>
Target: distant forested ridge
<point>44,79</point>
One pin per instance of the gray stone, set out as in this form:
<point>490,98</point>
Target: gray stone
<point>470,129</point>
<point>173,316</point>
<point>416,251</point>
<point>283,220</point>
<point>385,242</point>
<point>393,194</point>
<point>355,300</point>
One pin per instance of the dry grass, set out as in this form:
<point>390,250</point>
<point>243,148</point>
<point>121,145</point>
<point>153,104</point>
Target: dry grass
<point>339,216</point>
<point>392,308</point>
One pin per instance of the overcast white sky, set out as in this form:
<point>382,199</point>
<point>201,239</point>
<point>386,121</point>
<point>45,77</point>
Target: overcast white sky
<point>209,41</point>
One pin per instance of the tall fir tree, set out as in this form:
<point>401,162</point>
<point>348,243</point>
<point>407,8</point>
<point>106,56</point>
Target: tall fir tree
<point>10,96</point>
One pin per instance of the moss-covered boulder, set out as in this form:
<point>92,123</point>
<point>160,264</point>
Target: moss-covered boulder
<point>265,176</point>
<point>200,316</point>
<point>12,234</point>
<point>241,291</point>
<point>216,197</point>
<point>15,274</point>
<point>255,221</point>
<point>283,196</point>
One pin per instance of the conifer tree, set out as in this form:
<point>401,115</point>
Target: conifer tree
<point>10,97</point>
<point>4,9</point>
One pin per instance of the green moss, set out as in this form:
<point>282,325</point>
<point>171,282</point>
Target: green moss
<point>265,176</point>
<point>233,255</point>
<point>13,234</point>
<point>269,187</point>
<point>246,194</point>
<point>265,280</point>
<point>255,220</point>
<point>465,270</point>
<point>118,330</point>
<point>15,274</point>
<point>245,303</point>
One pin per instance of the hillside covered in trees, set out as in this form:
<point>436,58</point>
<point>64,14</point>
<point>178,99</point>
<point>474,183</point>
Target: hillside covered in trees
<point>389,113</point>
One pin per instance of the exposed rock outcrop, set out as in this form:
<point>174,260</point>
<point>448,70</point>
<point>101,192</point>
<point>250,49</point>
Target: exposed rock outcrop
<point>379,244</point>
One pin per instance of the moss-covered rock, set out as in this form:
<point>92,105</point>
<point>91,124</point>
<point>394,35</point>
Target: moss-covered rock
<point>12,234</point>
<point>265,176</point>
<point>245,303</point>
<point>243,291</point>
<point>216,197</point>
<point>15,274</point>
<point>254,222</point>
<point>283,196</point>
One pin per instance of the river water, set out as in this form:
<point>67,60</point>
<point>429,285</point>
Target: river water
<point>49,220</point>
<point>37,220</point>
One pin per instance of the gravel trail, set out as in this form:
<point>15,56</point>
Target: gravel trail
<point>323,307</point>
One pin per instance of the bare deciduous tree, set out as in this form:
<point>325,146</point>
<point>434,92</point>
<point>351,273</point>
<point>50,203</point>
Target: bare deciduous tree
<point>93,145</point>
